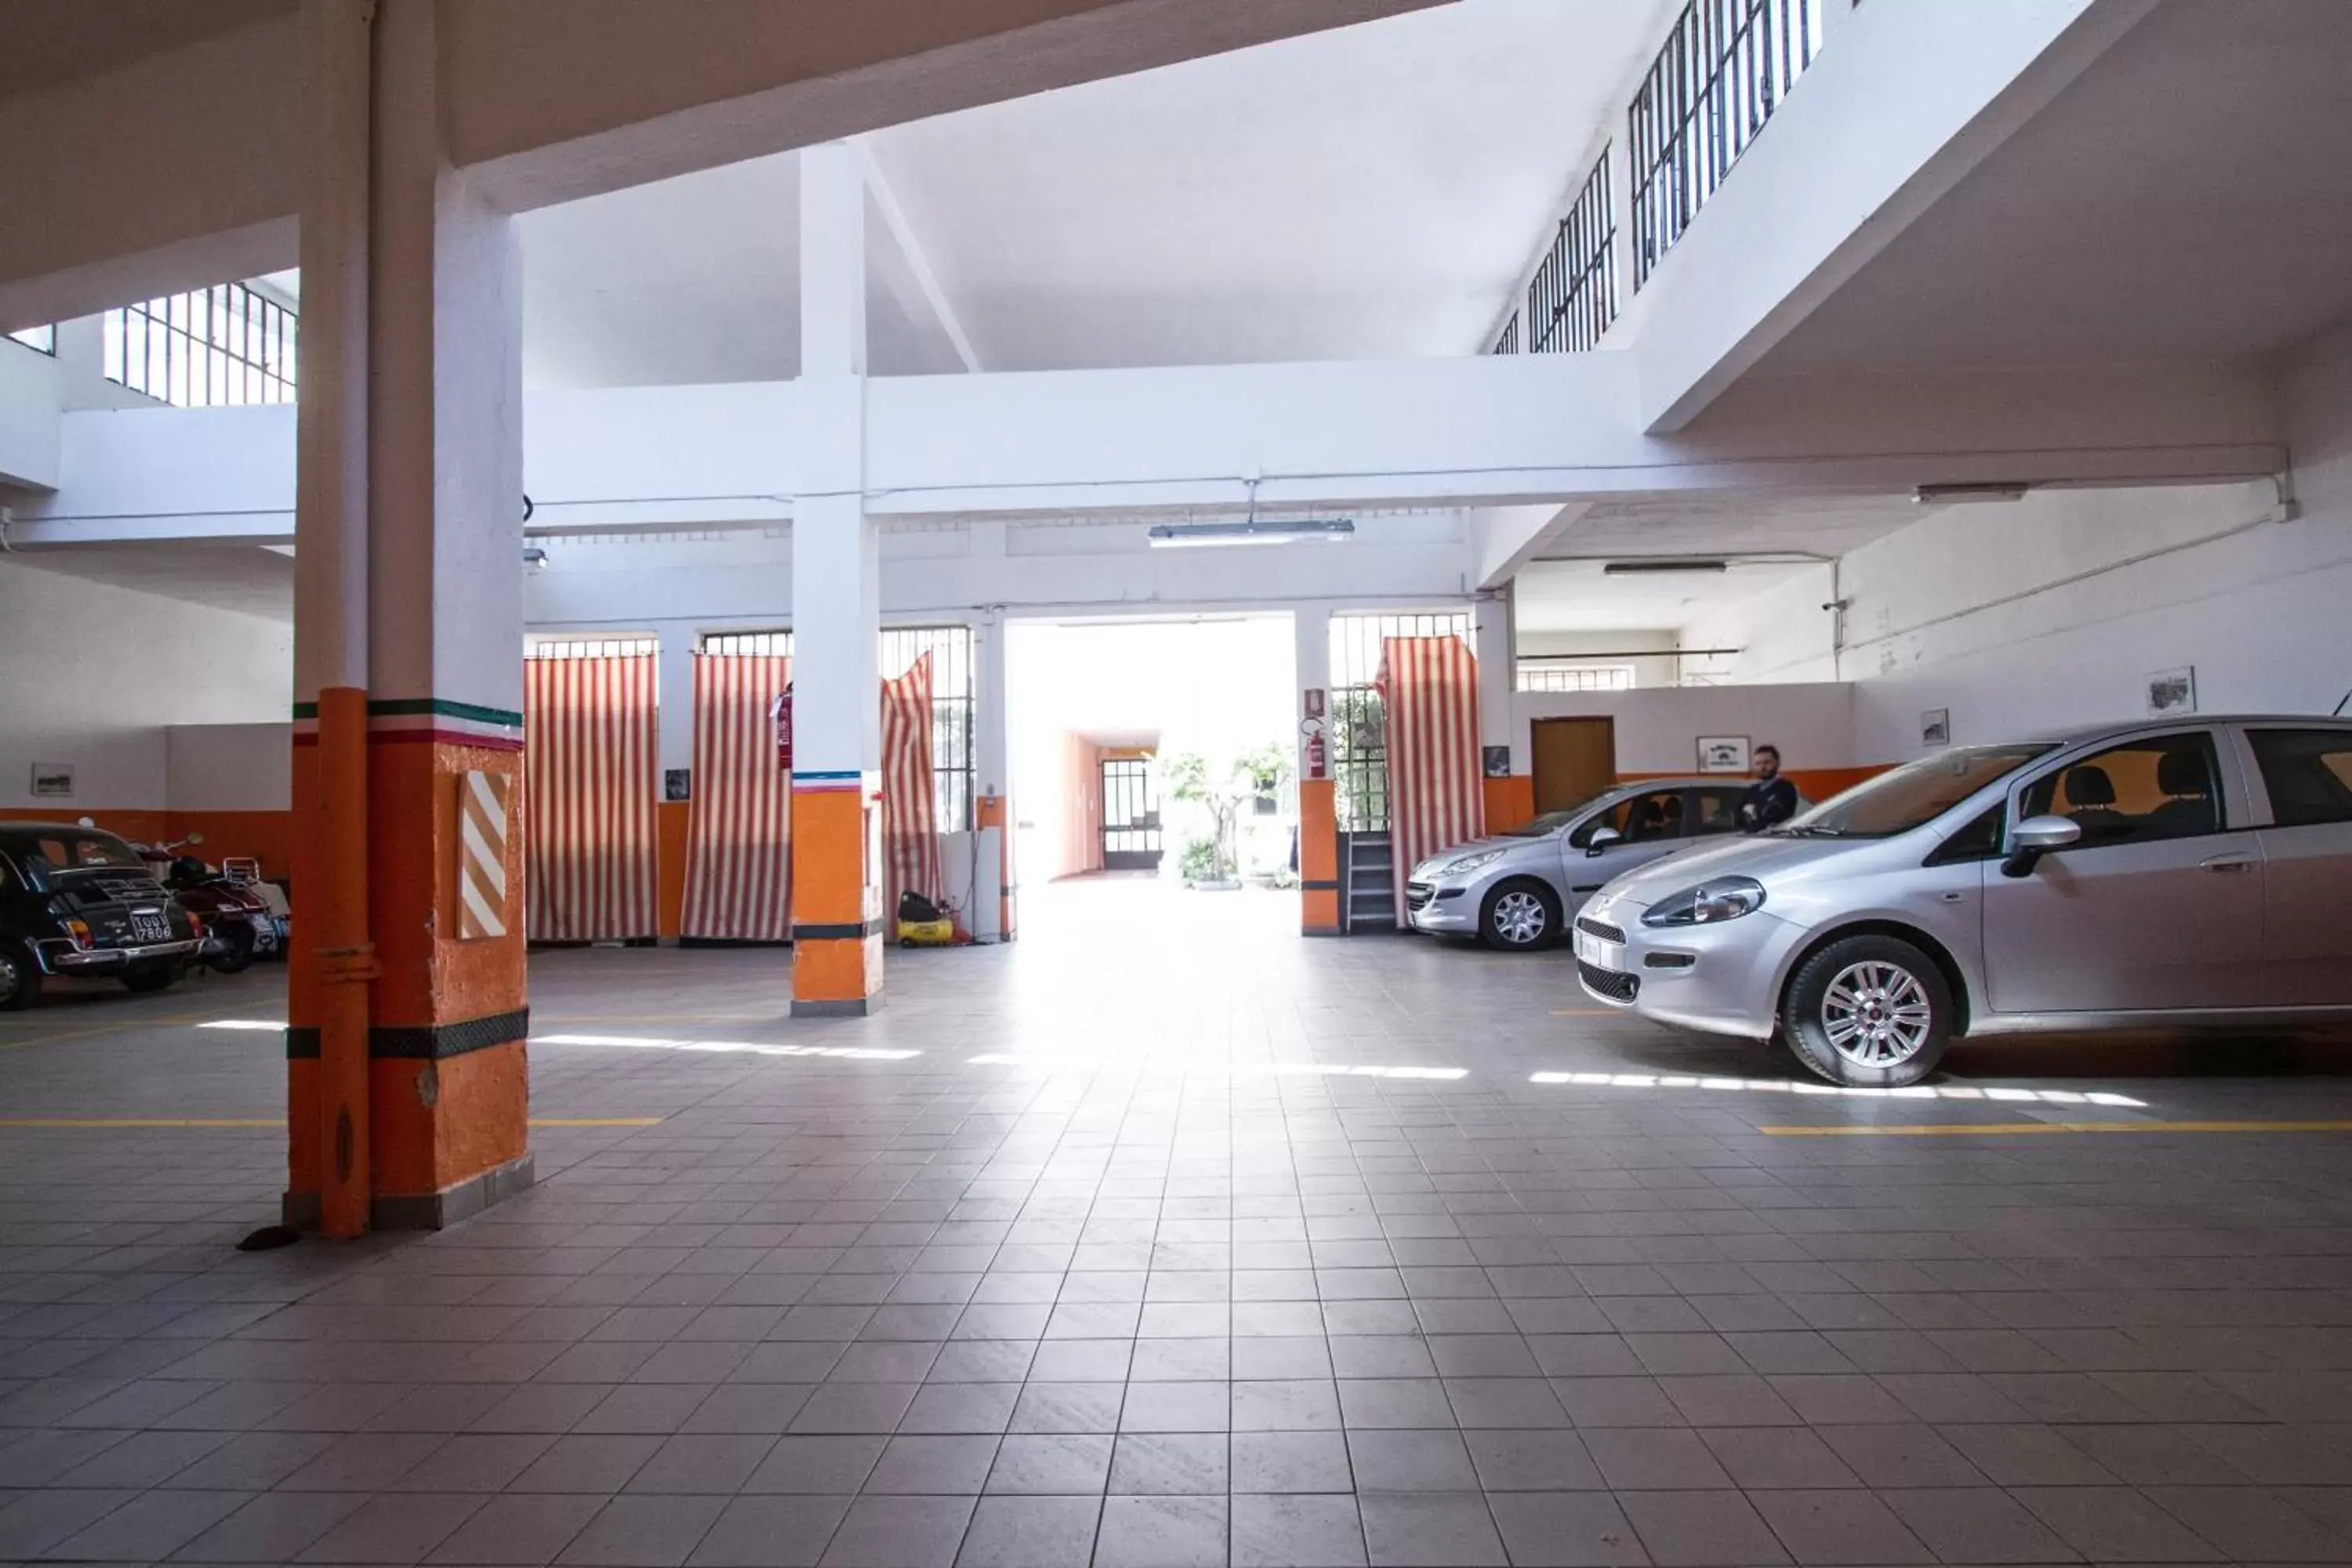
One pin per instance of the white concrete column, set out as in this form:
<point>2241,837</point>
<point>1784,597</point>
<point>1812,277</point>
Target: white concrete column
<point>993,760</point>
<point>679,641</point>
<point>1310,626</point>
<point>1491,639</point>
<point>445,473</point>
<point>837,916</point>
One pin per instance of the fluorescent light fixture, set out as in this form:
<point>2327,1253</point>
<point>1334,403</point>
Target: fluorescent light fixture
<point>1664,564</point>
<point>1948,494</point>
<point>1195,535</point>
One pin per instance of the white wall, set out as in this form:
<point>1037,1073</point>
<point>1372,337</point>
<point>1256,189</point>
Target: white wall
<point>1785,633</point>
<point>1658,730</point>
<point>29,419</point>
<point>1658,669</point>
<point>2055,610</point>
<point>229,767</point>
<point>96,673</point>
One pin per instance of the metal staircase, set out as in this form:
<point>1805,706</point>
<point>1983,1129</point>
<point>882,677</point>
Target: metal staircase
<point>1368,886</point>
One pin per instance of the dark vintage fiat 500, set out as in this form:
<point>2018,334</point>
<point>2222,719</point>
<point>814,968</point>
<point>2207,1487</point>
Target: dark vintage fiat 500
<point>75,900</point>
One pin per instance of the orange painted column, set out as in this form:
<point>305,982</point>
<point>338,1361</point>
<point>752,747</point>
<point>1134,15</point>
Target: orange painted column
<point>1318,859</point>
<point>837,916</point>
<point>406,1078</point>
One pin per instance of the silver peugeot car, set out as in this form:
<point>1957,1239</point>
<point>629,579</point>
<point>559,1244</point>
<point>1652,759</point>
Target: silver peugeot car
<point>1517,889</point>
<point>2175,872</point>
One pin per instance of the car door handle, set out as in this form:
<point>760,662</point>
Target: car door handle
<point>2227,863</point>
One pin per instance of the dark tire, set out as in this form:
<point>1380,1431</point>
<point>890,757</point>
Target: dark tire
<point>1869,1011</point>
<point>236,953</point>
<point>149,977</point>
<point>1522,915</point>
<point>20,980</point>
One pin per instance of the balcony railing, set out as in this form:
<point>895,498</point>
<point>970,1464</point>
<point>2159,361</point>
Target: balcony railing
<point>1573,297</point>
<point>1725,69</point>
<point>1507,341</point>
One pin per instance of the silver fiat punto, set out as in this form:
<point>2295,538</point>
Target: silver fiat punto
<point>1517,889</point>
<point>2190,871</point>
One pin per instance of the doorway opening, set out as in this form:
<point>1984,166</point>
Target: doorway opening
<point>1159,755</point>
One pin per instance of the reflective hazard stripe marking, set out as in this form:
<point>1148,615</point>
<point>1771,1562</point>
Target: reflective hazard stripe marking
<point>482,873</point>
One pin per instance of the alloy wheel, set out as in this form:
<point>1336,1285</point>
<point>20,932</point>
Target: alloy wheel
<point>1876,1014</point>
<point>1520,918</point>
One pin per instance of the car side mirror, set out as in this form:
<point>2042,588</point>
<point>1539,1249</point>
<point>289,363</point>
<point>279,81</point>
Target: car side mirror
<point>2037,837</point>
<point>1602,837</point>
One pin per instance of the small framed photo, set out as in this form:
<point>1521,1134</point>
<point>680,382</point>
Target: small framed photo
<point>1498,761</point>
<point>2171,691</point>
<point>1936,727</point>
<point>1723,754</point>
<point>52,781</point>
<point>677,784</point>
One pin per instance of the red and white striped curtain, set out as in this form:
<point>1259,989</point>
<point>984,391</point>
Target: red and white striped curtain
<point>1436,798</point>
<point>738,833</point>
<point>910,836</point>
<point>590,746</point>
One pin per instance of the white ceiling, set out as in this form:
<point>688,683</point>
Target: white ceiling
<point>1575,596</point>
<point>1369,192</point>
<point>1565,589</point>
<point>2189,196</point>
<point>246,578</point>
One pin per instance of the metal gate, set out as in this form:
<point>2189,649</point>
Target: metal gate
<point>1130,830</point>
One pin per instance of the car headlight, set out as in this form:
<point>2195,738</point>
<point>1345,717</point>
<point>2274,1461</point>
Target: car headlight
<point>1469,863</point>
<point>1725,899</point>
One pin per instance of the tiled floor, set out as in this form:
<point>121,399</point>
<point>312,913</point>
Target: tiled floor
<point>1072,1261</point>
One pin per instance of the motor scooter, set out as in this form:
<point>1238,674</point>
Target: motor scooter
<point>243,926</point>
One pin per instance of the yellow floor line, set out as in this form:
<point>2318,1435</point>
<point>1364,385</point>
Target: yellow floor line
<point>1965,1130</point>
<point>127,1122</point>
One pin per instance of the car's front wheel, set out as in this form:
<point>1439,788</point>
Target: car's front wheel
<point>20,979</point>
<point>1870,1012</point>
<point>1520,917</point>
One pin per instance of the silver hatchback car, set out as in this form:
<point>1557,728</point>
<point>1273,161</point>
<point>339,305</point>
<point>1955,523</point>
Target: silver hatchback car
<point>2191,871</point>
<point>1517,889</point>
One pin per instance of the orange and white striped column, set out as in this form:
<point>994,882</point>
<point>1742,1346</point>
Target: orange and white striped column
<point>407,1085</point>
<point>838,920</point>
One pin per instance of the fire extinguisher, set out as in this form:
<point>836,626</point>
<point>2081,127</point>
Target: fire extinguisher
<point>1315,764</point>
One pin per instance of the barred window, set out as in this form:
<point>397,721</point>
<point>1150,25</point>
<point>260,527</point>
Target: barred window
<point>1550,675</point>
<point>952,703</point>
<point>223,346</point>
<point>953,699</point>
<point>590,647</point>
<point>1358,717</point>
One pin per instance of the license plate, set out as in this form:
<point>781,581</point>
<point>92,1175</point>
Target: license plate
<point>1591,949</point>
<point>148,927</point>
<point>265,935</point>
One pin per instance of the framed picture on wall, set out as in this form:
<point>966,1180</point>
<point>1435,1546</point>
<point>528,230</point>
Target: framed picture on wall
<point>1498,762</point>
<point>1723,754</point>
<point>1936,727</point>
<point>677,784</point>
<point>52,780</point>
<point>2171,691</point>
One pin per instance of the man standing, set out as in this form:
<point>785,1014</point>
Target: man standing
<point>1771,798</point>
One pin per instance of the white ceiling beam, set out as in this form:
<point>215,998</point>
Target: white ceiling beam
<point>930,298</point>
<point>1508,537</point>
<point>1532,431</point>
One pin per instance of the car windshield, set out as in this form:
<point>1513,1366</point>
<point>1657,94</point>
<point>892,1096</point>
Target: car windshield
<point>62,854</point>
<point>1900,800</point>
<point>1549,822</point>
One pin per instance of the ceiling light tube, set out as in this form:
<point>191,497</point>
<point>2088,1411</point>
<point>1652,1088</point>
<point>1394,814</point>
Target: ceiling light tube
<point>1946,495</point>
<point>1667,563</point>
<point>1194,535</point>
